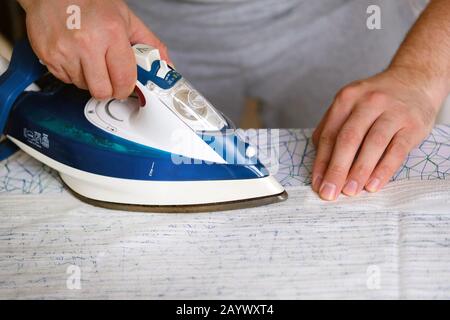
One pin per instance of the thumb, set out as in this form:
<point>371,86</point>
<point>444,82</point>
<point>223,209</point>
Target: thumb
<point>139,33</point>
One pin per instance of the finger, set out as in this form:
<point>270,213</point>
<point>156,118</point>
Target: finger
<point>141,34</point>
<point>60,73</point>
<point>348,141</point>
<point>75,73</point>
<point>396,153</point>
<point>317,132</point>
<point>122,70</point>
<point>374,145</point>
<point>97,76</point>
<point>337,114</point>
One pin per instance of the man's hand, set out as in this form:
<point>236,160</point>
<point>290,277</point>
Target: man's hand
<point>369,130</point>
<point>97,57</point>
<point>373,124</point>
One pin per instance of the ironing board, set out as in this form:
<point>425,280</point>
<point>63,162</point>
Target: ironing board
<point>394,244</point>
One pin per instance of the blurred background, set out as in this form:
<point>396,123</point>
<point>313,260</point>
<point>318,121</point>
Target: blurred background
<point>12,25</point>
<point>12,28</point>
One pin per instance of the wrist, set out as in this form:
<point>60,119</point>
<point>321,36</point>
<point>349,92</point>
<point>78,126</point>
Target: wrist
<point>434,88</point>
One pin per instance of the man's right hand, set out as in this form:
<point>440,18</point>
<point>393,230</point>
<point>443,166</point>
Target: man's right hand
<point>98,56</point>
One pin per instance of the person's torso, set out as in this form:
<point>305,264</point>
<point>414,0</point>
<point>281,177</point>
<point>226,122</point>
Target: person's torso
<point>214,12</point>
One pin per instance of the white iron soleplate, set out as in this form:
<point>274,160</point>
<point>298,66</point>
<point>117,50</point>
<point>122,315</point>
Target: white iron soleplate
<point>157,193</point>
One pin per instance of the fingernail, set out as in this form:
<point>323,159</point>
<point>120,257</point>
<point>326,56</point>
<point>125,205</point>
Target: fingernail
<point>328,191</point>
<point>350,188</point>
<point>373,185</point>
<point>317,182</point>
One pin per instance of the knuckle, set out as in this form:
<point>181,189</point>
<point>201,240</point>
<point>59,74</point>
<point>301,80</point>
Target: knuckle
<point>376,98</point>
<point>51,57</point>
<point>337,170</point>
<point>82,38</point>
<point>113,27</point>
<point>395,115</point>
<point>326,139</point>
<point>320,165</point>
<point>348,94</point>
<point>349,136</point>
<point>378,139</point>
<point>61,49</point>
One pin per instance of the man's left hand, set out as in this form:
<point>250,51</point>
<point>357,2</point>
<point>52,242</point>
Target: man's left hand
<point>369,130</point>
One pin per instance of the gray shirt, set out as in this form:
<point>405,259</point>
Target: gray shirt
<point>292,55</point>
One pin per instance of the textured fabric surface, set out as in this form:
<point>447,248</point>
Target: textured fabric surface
<point>293,55</point>
<point>288,154</point>
<point>393,244</point>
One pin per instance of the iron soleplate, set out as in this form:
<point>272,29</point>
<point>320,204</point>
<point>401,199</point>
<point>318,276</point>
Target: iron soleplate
<point>198,208</point>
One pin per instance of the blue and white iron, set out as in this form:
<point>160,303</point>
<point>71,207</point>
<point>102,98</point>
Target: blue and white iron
<point>167,150</point>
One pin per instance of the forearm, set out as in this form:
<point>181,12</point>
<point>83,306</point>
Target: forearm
<point>426,51</point>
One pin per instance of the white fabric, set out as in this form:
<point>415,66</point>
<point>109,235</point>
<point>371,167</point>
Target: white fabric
<point>394,244</point>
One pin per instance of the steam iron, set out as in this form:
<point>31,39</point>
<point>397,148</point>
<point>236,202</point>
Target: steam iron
<point>167,149</point>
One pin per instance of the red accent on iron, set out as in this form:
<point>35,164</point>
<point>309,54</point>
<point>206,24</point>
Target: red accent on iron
<point>141,96</point>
